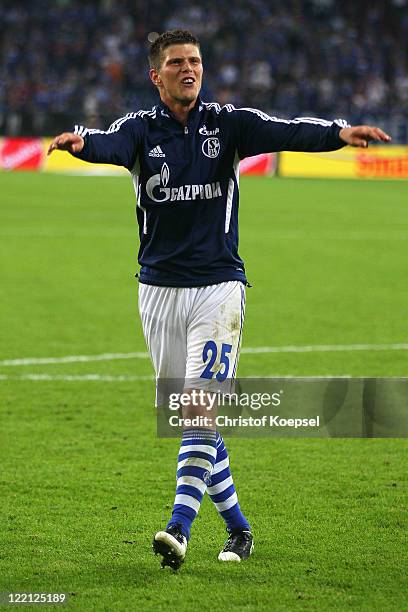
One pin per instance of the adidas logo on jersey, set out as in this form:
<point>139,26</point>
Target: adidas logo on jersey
<point>156,152</point>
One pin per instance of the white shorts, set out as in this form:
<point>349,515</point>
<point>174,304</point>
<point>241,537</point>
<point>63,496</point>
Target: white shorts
<point>193,333</point>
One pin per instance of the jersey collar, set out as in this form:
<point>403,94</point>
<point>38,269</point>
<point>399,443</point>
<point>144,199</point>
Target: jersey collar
<point>164,111</point>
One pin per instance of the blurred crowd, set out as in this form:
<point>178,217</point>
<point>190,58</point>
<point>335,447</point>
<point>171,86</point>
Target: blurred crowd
<point>86,60</point>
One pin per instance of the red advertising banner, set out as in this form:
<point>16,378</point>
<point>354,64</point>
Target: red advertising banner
<point>260,165</point>
<point>21,153</point>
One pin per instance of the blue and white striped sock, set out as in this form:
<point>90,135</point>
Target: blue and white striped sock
<point>195,463</point>
<point>222,490</point>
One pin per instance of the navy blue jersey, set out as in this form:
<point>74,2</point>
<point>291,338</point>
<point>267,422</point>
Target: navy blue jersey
<point>186,181</point>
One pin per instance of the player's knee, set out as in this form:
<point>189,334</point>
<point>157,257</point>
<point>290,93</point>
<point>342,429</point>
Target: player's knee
<point>200,405</point>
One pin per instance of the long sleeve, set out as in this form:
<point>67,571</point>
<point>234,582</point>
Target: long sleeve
<point>119,145</point>
<point>258,132</point>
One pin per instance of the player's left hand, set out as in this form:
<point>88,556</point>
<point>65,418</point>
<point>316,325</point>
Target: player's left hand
<point>361,135</point>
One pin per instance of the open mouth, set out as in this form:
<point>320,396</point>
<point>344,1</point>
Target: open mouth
<point>188,81</point>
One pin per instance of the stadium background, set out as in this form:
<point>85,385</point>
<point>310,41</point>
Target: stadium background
<point>84,481</point>
<point>66,62</point>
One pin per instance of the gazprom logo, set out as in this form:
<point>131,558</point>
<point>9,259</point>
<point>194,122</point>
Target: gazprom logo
<point>164,174</point>
<point>157,190</point>
<point>156,180</point>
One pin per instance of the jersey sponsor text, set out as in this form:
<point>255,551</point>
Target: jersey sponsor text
<point>208,191</point>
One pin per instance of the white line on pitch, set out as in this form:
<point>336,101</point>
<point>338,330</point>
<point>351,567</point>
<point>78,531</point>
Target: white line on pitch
<point>72,359</point>
<point>124,378</point>
<point>325,348</point>
<point>77,377</point>
<point>315,348</point>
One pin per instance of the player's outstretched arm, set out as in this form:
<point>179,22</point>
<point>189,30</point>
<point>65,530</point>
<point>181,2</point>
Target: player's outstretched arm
<point>258,132</point>
<point>361,135</point>
<point>119,145</point>
<point>67,141</point>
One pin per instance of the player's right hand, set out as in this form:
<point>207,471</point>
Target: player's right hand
<point>67,141</point>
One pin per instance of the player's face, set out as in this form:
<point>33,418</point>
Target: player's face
<point>179,76</point>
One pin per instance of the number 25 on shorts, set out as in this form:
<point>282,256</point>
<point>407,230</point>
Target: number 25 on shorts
<point>210,353</point>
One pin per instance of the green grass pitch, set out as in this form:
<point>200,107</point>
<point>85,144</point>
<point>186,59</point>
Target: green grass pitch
<point>84,481</point>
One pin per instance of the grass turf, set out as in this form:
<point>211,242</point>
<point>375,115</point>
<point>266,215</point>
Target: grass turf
<point>84,481</point>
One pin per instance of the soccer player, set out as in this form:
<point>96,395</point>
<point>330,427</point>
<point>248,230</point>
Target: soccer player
<point>183,156</point>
